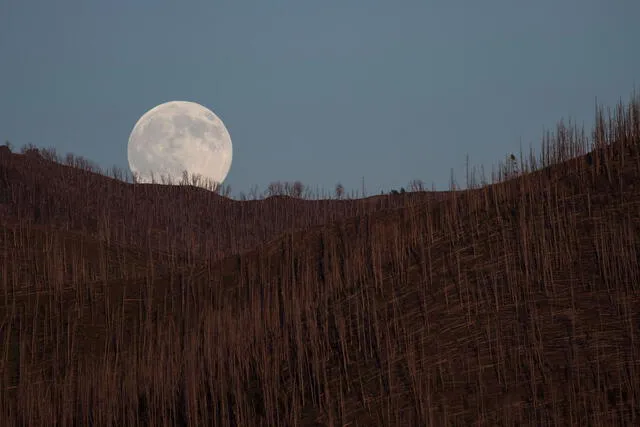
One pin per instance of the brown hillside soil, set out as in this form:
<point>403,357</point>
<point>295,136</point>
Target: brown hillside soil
<point>512,304</point>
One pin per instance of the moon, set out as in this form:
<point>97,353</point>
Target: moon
<point>180,136</point>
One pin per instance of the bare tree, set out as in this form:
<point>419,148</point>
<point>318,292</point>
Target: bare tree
<point>276,188</point>
<point>116,172</point>
<point>297,189</point>
<point>416,185</point>
<point>166,179</point>
<point>254,192</point>
<point>31,151</point>
<point>196,180</point>
<point>510,168</point>
<point>339,191</point>
<point>49,154</point>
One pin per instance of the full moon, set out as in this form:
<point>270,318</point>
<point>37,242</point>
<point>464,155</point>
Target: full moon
<point>180,136</point>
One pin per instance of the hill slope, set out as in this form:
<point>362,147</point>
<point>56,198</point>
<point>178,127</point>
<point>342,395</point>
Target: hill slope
<point>513,304</point>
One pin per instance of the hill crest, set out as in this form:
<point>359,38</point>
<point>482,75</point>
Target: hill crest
<point>513,303</point>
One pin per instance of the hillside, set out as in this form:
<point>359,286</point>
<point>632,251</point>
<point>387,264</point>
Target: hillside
<point>514,303</point>
<point>181,219</point>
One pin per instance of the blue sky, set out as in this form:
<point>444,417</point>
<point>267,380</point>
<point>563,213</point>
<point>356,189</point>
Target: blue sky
<point>317,91</point>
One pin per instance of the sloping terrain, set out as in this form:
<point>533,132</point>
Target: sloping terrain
<point>512,304</point>
<point>183,220</point>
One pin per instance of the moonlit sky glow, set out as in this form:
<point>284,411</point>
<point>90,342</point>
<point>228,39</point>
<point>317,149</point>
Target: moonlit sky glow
<point>319,92</point>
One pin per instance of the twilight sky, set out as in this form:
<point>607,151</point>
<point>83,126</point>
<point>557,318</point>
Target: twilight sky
<point>317,91</point>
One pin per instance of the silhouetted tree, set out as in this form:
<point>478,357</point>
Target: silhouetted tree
<point>30,150</point>
<point>296,189</point>
<point>339,191</point>
<point>49,154</point>
<point>225,190</point>
<point>510,167</point>
<point>254,192</point>
<point>185,178</point>
<point>276,188</point>
<point>116,172</point>
<point>416,185</point>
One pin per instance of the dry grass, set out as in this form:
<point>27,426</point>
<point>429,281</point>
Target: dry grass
<point>515,303</point>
